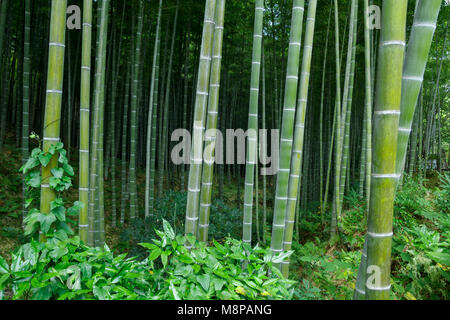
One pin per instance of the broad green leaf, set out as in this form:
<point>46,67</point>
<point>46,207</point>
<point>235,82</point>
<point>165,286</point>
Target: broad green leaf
<point>46,220</point>
<point>44,158</point>
<point>58,172</point>
<point>4,268</point>
<point>204,281</point>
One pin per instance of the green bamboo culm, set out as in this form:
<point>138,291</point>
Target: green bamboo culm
<point>347,104</point>
<point>165,115</point>
<point>299,132</point>
<point>386,120</point>
<point>133,115</point>
<point>94,219</point>
<point>84,119</point>
<point>211,124</point>
<point>3,13</point>
<point>252,139</point>
<point>153,105</point>
<point>26,96</point>
<point>200,108</point>
<point>290,99</point>
<point>359,293</point>
<point>335,213</point>
<point>53,99</point>
<point>416,58</point>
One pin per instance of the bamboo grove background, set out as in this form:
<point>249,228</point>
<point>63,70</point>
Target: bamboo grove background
<point>135,72</point>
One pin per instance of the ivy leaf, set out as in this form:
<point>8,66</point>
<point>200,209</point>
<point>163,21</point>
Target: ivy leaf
<point>53,182</point>
<point>34,179</point>
<point>35,152</point>
<point>62,157</point>
<point>68,169</point>
<point>75,209</point>
<point>30,164</point>
<point>46,221</point>
<point>59,145</point>
<point>59,212</point>
<point>58,172</point>
<point>44,158</point>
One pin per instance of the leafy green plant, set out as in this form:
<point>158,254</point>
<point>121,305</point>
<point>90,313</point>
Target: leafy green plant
<point>56,221</point>
<point>64,268</point>
<point>224,221</point>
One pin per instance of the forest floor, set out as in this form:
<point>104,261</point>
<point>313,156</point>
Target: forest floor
<point>325,269</point>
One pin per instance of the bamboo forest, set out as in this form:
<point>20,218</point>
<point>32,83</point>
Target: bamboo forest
<point>224,150</point>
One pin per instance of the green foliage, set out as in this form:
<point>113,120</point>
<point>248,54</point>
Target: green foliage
<point>56,220</point>
<point>224,222</point>
<point>65,269</point>
<point>442,196</point>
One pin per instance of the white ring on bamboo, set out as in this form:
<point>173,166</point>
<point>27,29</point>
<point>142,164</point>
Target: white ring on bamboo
<point>385,175</point>
<point>51,139</point>
<point>192,219</point>
<point>295,176</point>
<point>254,89</point>
<point>83,225</point>
<point>292,77</point>
<point>295,43</point>
<point>54,91</point>
<point>57,44</point>
<point>424,24</point>
<point>286,140</point>
<point>393,42</point>
<point>380,235</point>
<point>404,129</point>
<point>85,110</point>
<point>44,185</point>
<point>203,225</point>
<point>281,198</point>
<point>87,24</point>
<point>252,115</point>
<point>86,68</point>
<point>205,205</point>
<point>412,78</point>
<point>86,151</point>
<point>297,7</point>
<point>378,288</point>
<point>279,225</point>
<point>83,189</point>
<point>387,112</point>
<point>193,190</point>
<point>202,93</point>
